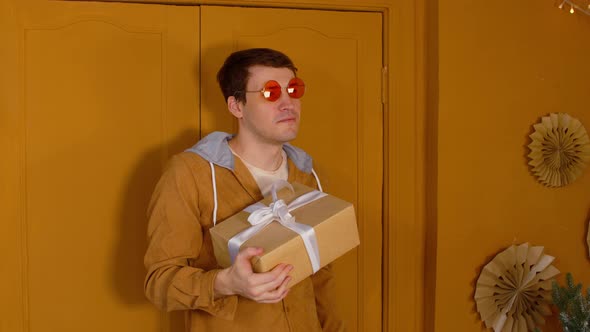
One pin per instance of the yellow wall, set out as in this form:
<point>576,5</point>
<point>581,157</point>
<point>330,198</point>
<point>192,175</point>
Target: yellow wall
<point>501,66</point>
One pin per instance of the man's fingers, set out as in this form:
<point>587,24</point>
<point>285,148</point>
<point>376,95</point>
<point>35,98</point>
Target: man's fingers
<point>270,290</point>
<point>277,294</point>
<point>242,263</point>
<point>266,287</point>
<point>271,279</point>
<point>248,253</point>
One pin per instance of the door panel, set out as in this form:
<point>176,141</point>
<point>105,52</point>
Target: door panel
<point>339,57</point>
<point>101,95</point>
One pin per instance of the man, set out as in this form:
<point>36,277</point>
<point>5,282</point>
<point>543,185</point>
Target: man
<point>218,177</point>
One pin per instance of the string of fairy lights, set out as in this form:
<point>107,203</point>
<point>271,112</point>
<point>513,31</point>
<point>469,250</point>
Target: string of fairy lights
<point>574,7</point>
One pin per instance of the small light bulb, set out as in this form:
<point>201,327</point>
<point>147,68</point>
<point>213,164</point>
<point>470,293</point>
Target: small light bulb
<point>561,5</point>
<point>572,10</point>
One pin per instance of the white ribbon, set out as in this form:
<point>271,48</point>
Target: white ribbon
<point>262,215</point>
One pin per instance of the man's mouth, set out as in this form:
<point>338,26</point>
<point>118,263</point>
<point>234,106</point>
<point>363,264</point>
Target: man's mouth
<point>289,119</point>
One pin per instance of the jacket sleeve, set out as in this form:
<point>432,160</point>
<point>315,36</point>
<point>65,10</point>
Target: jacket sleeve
<point>329,314</point>
<point>175,237</point>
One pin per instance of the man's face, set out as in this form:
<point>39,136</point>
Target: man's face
<point>274,122</point>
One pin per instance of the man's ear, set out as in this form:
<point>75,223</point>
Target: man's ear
<point>234,106</point>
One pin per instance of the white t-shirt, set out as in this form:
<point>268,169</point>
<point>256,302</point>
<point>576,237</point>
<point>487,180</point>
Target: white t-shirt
<point>264,178</point>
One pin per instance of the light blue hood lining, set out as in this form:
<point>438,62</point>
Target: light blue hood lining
<point>215,149</point>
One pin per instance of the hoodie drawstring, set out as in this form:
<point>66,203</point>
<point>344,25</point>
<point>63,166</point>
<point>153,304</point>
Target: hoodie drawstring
<point>317,179</point>
<point>214,193</point>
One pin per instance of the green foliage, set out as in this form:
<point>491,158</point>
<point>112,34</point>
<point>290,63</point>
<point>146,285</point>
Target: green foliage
<point>574,307</point>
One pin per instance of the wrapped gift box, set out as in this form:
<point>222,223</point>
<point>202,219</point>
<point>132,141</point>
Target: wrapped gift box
<point>332,219</point>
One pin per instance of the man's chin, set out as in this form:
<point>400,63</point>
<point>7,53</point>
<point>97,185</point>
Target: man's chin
<point>286,138</point>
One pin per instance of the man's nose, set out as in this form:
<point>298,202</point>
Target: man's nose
<point>285,101</point>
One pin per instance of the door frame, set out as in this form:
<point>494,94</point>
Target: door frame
<point>409,96</point>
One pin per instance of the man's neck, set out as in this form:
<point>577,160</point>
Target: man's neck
<point>263,155</point>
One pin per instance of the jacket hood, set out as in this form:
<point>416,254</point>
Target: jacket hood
<point>215,149</point>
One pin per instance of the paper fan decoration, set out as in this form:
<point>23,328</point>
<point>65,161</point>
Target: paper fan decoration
<point>512,290</point>
<point>560,149</point>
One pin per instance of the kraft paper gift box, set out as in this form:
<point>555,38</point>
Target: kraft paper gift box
<point>333,221</point>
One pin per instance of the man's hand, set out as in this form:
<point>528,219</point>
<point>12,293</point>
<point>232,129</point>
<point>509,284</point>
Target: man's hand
<point>267,287</point>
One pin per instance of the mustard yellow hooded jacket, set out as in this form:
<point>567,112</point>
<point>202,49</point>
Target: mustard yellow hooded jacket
<point>181,266</point>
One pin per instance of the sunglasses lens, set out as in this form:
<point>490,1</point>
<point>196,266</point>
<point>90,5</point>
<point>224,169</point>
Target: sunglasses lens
<point>272,90</point>
<point>296,88</point>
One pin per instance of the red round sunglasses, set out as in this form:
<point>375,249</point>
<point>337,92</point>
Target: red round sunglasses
<point>272,90</point>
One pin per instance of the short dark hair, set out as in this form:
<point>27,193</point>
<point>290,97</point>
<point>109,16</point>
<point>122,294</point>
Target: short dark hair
<point>234,74</point>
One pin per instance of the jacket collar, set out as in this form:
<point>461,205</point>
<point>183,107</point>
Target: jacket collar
<point>215,149</point>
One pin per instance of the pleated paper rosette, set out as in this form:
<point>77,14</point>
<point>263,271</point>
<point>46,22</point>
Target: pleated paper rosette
<point>513,290</point>
<point>560,149</point>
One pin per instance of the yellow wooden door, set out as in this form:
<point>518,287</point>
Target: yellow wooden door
<point>339,55</point>
<point>95,96</point>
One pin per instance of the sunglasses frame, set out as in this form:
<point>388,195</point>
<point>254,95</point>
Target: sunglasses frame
<point>267,90</point>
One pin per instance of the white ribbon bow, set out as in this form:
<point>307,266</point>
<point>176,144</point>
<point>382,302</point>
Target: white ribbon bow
<point>262,215</point>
